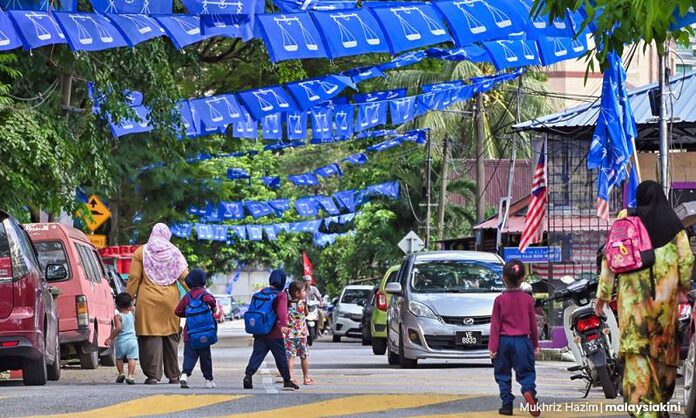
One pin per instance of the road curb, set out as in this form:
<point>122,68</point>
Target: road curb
<point>554,354</point>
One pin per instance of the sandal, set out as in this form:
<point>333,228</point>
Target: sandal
<point>308,381</point>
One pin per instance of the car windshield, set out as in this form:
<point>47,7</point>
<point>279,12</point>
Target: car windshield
<point>52,252</point>
<point>456,276</point>
<point>354,296</point>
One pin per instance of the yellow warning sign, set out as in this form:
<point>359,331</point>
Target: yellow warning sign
<point>97,240</point>
<point>100,213</point>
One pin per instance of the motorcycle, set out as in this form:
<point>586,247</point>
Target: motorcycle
<point>312,320</point>
<point>593,340</point>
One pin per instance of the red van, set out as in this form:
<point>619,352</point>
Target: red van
<point>86,304</point>
<point>28,314</point>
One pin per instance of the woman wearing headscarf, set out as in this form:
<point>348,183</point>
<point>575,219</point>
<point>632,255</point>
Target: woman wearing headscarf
<point>155,270</point>
<point>648,311</point>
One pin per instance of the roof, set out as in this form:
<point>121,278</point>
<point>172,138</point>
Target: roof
<point>457,255</point>
<point>50,230</point>
<point>585,116</point>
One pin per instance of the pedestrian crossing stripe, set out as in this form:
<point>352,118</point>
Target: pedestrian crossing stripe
<point>152,405</point>
<point>353,405</point>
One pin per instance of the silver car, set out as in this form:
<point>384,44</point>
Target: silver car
<point>441,306</point>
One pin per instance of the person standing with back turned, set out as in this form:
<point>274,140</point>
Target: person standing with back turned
<point>273,341</point>
<point>647,302</point>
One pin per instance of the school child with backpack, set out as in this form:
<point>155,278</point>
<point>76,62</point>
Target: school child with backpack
<point>267,321</point>
<point>200,331</point>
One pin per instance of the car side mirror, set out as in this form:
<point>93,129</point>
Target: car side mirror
<point>394,289</point>
<point>55,292</point>
<point>56,272</point>
<point>334,301</point>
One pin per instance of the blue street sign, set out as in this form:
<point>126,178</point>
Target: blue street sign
<point>533,254</point>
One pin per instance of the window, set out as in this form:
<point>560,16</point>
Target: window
<point>100,265</point>
<point>88,264</point>
<point>353,296</point>
<point>456,276</point>
<point>5,260</point>
<point>52,252</point>
<point>21,250</point>
<point>683,69</point>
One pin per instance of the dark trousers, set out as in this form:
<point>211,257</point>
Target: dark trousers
<point>261,348</point>
<point>514,353</point>
<point>158,354</point>
<point>192,355</point>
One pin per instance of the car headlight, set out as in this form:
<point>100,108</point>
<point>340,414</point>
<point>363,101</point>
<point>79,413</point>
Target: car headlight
<point>421,310</point>
<point>342,314</point>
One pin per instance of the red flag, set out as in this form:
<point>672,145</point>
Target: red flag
<point>306,266</point>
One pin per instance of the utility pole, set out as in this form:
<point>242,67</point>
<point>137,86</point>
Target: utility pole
<point>504,213</point>
<point>664,146</point>
<point>442,202</point>
<point>480,168</point>
<point>428,189</point>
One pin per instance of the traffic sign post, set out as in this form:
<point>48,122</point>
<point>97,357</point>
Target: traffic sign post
<point>411,243</point>
<point>100,213</point>
<point>99,241</point>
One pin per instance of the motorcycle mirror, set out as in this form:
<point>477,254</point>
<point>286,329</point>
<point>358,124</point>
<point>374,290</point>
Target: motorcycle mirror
<point>567,279</point>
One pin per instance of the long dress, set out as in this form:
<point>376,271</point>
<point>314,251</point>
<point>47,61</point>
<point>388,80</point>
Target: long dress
<point>155,317</point>
<point>648,327</point>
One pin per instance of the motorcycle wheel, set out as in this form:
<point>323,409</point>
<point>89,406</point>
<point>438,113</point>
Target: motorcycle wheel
<point>608,385</point>
<point>690,380</point>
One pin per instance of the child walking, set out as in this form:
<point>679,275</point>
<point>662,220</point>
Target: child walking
<point>123,338</point>
<point>296,337</point>
<point>196,281</point>
<point>514,339</point>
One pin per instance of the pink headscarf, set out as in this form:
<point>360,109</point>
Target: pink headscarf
<point>162,261</point>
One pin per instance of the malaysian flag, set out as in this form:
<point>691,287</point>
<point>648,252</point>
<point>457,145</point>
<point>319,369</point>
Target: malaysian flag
<point>536,213</point>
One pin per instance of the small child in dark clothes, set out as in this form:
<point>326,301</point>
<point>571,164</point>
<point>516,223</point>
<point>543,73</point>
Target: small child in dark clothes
<point>514,339</point>
<point>196,281</point>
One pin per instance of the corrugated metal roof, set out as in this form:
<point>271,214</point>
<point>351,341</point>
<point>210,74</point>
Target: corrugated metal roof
<point>584,116</point>
<point>495,174</point>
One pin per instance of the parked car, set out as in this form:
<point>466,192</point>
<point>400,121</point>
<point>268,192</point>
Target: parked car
<point>348,312</point>
<point>28,312</point>
<point>378,323</point>
<point>115,280</point>
<point>226,302</point>
<point>219,313</point>
<point>442,306</point>
<point>235,312</point>
<point>86,304</point>
<point>367,318</point>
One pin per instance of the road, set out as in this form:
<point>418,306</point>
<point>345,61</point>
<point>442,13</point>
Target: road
<point>351,381</point>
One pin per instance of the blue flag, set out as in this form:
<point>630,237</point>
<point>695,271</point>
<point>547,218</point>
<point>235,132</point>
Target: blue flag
<point>272,127</point>
<point>411,26</point>
<point>321,123</point>
<point>350,32</point>
<point>309,93</point>
<point>296,125</point>
<point>291,36</point>
<point>343,118</point>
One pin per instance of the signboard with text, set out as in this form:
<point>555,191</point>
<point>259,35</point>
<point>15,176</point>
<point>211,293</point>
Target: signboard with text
<point>97,240</point>
<point>533,254</point>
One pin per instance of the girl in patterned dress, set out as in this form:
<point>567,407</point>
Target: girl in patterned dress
<point>296,337</point>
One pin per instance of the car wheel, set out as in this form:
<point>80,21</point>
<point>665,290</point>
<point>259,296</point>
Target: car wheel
<point>392,357</point>
<point>34,372</point>
<point>108,359</point>
<point>366,338</point>
<point>405,362</point>
<point>53,371</point>
<point>545,333</point>
<point>89,354</point>
<point>690,379</point>
<point>336,338</point>
<point>379,346</point>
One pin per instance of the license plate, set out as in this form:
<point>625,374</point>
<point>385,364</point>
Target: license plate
<point>592,346</point>
<point>468,338</point>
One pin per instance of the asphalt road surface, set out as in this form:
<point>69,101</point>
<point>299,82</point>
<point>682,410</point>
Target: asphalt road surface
<point>350,381</point>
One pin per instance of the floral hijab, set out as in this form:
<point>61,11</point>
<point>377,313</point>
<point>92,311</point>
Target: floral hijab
<point>162,261</point>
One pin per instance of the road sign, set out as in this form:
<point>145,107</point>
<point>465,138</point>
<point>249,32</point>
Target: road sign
<point>411,243</point>
<point>97,240</point>
<point>533,254</point>
<point>100,213</point>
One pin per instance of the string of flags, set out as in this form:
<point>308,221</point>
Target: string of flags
<point>345,200</point>
<point>281,116</point>
<point>311,178</point>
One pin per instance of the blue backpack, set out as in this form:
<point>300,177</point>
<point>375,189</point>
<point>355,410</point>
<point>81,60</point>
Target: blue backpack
<point>200,324</point>
<point>260,318</point>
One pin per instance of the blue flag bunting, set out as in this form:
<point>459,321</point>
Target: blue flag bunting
<point>308,179</point>
<point>307,206</point>
<point>182,30</point>
<point>181,230</point>
<point>220,233</point>
<point>137,28</point>
<point>237,174</point>
<point>553,50</point>
<point>296,125</point>
<point>254,232</point>
<point>371,115</point>
<point>280,206</point>
<point>231,210</point>
<point>402,110</point>
<point>218,111</point>
<point>258,209</point>
<point>346,199</point>
<point>476,21</point>
<point>512,53</point>
<point>271,182</point>
<point>291,36</point>
<point>271,232</point>
<point>248,128</point>
<point>272,127</point>
<point>350,32</point>
<point>321,123</point>
<point>239,231</point>
<point>329,170</point>
<point>139,124</point>
<point>411,25</point>
<point>309,93</point>
<point>357,159</point>
<point>37,29</point>
<point>146,7</point>
<point>262,102</point>
<point>328,204</point>
<point>204,232</point>
<point>377,96</point>
<point>343,118</point>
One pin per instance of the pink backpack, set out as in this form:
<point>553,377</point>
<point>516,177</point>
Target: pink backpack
<point>628,246</point>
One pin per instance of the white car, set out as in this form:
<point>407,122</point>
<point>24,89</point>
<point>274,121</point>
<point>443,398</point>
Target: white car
<point>348,312</point>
